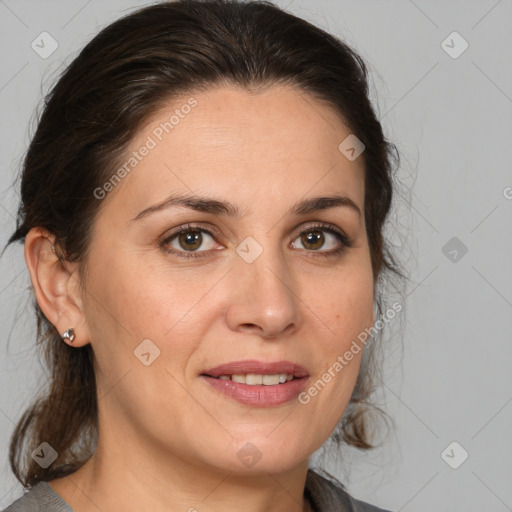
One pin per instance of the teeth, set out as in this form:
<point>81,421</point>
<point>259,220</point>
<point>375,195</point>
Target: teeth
<point>255,379</point>
<point>270,380</point>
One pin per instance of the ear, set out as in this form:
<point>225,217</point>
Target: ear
<point>56,285</point>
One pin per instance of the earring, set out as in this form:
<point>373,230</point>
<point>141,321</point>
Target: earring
<point>69,335</point>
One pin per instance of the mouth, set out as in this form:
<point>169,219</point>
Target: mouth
<point>256,379</point>
<point>257,383</point>
<point>257,373</point>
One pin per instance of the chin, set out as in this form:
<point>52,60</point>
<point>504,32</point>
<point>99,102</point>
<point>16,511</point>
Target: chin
<point>266,453</point>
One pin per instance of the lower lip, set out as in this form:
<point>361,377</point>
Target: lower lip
<point>259,396</point>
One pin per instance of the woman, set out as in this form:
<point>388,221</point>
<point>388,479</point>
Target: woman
<point>202,208</point>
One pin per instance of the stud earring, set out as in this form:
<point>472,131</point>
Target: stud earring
<point>69,335</point>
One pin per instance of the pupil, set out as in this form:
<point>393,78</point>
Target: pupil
<point>313,237</point>
<point>192,239</point>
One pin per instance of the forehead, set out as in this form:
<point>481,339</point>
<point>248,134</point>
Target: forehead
<point>280,117</point>
<point>279,138</point>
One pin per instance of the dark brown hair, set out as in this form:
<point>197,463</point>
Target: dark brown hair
<point>123,76</point>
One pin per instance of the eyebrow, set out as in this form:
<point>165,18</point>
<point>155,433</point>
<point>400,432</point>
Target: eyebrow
<point>216,207</point>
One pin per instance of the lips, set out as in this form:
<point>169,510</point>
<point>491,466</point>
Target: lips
<point>254,383</point>
<point>252,366</point>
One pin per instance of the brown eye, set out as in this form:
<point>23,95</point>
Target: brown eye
<point>330,240</point>
<point>313,240</point>
<point>189,241</point>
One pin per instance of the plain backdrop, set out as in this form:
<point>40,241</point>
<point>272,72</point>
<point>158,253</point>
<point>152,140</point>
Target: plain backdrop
<point>442,82</point>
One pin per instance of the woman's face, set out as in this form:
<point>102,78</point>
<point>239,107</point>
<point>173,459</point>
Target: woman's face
<point>260,274</point>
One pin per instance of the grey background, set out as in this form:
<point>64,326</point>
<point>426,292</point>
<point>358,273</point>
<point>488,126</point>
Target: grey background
<point>452,121</point>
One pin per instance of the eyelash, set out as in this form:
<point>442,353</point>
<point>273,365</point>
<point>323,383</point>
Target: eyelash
<point>345,242</point>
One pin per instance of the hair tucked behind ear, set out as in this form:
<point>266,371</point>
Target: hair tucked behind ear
<point>65,416</point>
<point>130,69</point>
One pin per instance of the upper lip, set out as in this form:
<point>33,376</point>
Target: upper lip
<point>258,367</point>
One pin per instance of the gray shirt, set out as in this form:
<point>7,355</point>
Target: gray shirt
<point>40,498</point>
<point>324,496</point>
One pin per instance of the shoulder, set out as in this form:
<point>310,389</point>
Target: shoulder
<point>329,495</point>
<point>362,506</point>
<point>40,498</point>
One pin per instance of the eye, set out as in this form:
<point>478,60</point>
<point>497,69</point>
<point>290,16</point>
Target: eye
<point>323,236</point>
<point>195,242</point>
<point>186,241</point>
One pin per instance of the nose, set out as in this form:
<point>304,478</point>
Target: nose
<point>264,297</point>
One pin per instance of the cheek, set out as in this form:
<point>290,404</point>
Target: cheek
<point>346,306</point>
<point>129,302</point>
<point>126,296</point>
